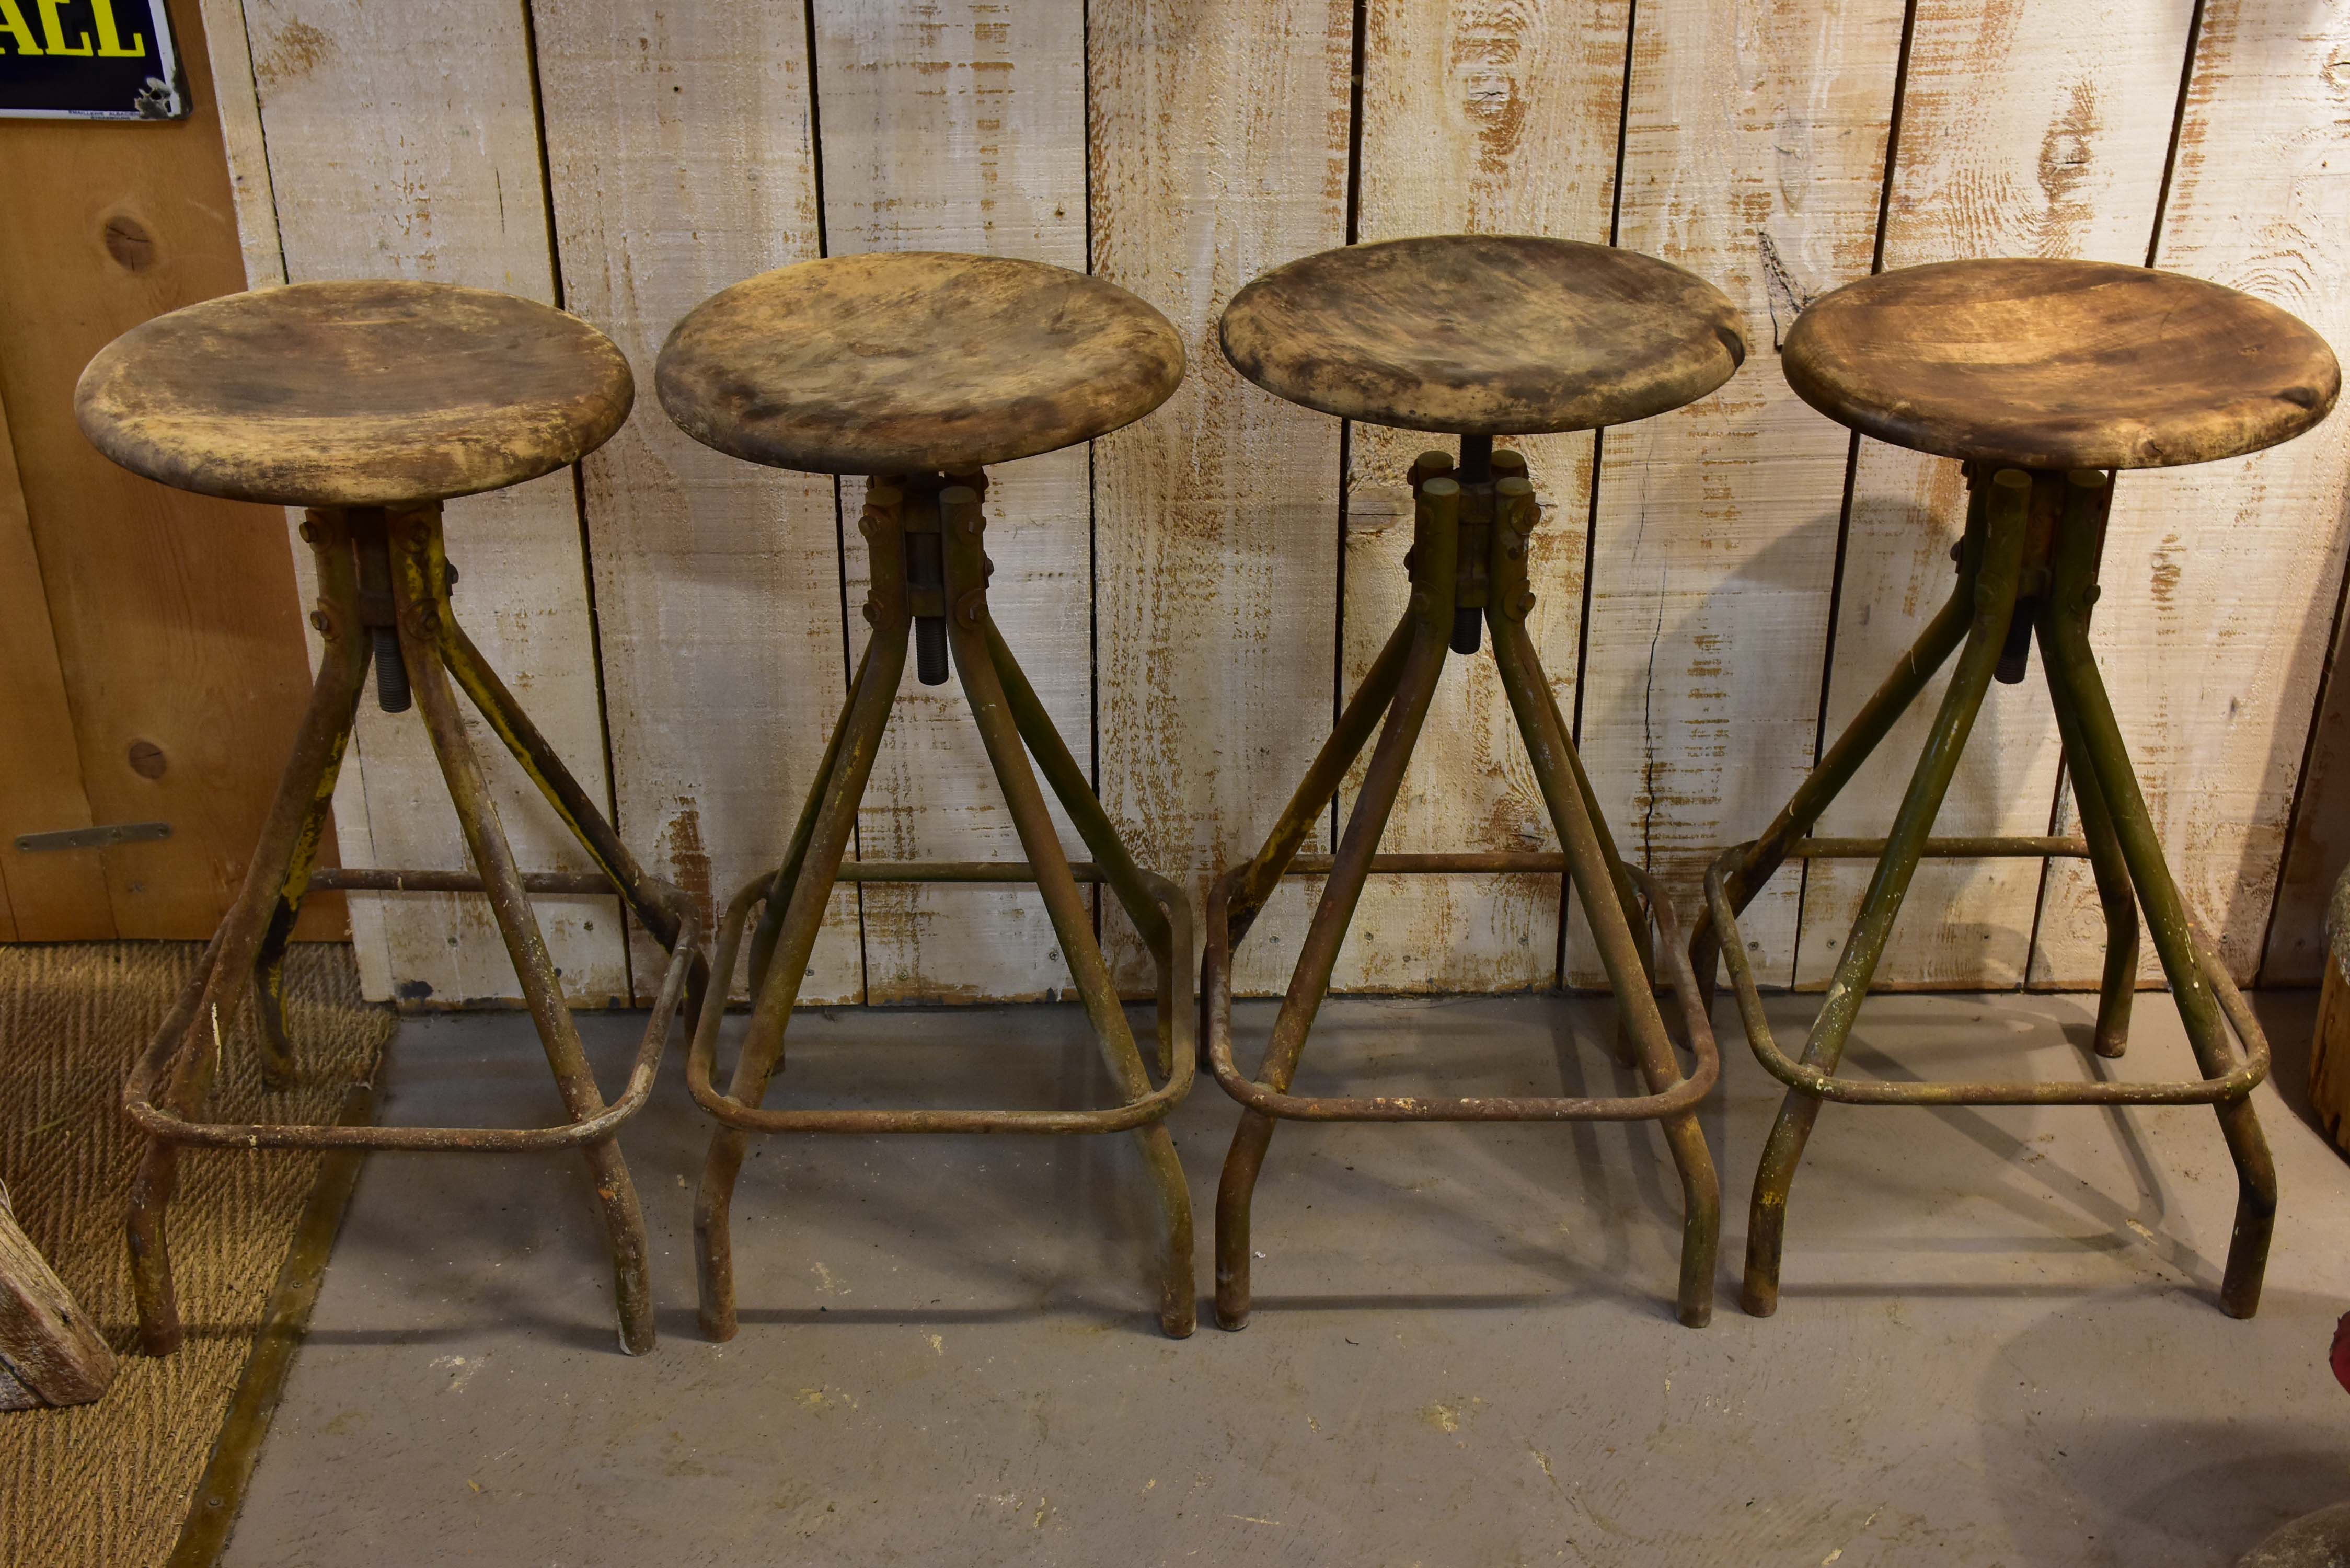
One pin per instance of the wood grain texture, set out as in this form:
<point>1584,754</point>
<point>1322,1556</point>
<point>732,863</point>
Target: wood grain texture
<point>2319,851</point>
<point>43,897</point>
<point>50,1350</point>
<point>402,143</point>
<point>1487,118</point>
<point>2221,581</point>
<point>961,128</point>
<point>894,362</point>
<point>2047,364</point>
<point>238,101</point>
<point>1754,156</point>
<point>1484,334</point>
<point>2026,130</point>
<point>174,618</point>
<point>367,394</point>
<point>1220,132</point>
<point>682,158</point>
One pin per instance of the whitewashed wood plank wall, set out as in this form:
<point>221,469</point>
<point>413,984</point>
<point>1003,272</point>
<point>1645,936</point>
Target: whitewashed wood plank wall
<point>1718,588</point>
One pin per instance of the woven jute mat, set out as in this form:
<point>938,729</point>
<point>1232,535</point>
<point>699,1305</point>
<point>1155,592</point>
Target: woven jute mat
<point>108,1484</point>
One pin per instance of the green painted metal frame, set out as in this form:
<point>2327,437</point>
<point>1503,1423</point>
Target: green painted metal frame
<point>2030,550</point>
<point>1013,725</point>
<point>1468,556</point>
<point>387,570</point>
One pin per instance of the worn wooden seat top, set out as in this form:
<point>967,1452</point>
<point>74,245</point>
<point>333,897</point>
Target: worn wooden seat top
<point>2060,364</point>
<point>354,394</point>
<point>912,363</point>
<point>1484,333</point>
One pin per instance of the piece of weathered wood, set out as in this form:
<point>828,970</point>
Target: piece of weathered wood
<point>1754,157</point>
<point>367,394</point>
<point>402,143</point>
<point>1220,141</point>
<point>680,153</point>
<point>2320,848</point>
<point>101,238</point>
<point>2221,581</point>
<point>1484,334</point>
<point>963,130</point>
<point>2052,364</point>
<point>43,897</point>
<point>1498,118</point>
<point>50,1353</point>
<point>2329,1047</point>
<point>2026,130</point>
<point>892,363</point>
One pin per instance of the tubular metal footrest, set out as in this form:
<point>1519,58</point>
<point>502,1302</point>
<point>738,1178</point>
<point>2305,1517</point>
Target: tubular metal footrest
<point>179,1033</point>
<point>1151,1107</point>
<point>1216,979</point>
<point>1808,1080</point>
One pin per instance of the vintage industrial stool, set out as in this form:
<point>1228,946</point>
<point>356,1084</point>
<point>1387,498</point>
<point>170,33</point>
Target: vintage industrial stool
<point>2036,375</point>
<point>919,369</point>
<point>370,404</point>
<point>1476,337</point>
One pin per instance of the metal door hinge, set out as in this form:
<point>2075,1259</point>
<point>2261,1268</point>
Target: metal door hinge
<point>93,838</point>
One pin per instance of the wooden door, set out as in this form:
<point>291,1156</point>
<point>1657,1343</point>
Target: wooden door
<point>151,662</point>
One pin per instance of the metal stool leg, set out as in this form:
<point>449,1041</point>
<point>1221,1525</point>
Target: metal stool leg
<point>2060,519</point>
<point>972,639</point>
<point>328,536</point>
<point>280,861</point>
<point>813,867</point>
<point>1861,737</point>
<point>2080,693</point>
<point>1606,890</point>
<point>419,587</point>
<point>1429,622</point>
<point>400,553</point>
<point>1995,587</point>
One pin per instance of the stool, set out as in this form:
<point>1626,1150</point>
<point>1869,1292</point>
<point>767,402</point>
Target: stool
<point>1477,336</point>
<point>370,404</point>
<point>2035,374</point>
<point>918,371</point>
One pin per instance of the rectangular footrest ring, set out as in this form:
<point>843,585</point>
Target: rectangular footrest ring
<point>1808,1080</point>
<point>1217,980</point>
<point>178,1034</point>
<point>701,1060</point>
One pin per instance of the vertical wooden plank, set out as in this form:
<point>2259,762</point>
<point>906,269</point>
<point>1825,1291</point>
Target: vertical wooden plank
<point>402,141</point>
<point>238,101</point>
<point>1754,156</point>
<point>2221,579</point>
<point>53,898</point>
<point>682,158</point>
<point>176,632</point>
<point>1490,118</point>
<point>1220,140</point>
<point>2026,130</point>
<point>2320,847</point>
<point>961,127</point>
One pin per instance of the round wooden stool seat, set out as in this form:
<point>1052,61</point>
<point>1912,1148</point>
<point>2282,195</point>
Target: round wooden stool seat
<point>1484,335</point>
<point>2060,364</point>
<point>354,394</point>
<point>914,362</point>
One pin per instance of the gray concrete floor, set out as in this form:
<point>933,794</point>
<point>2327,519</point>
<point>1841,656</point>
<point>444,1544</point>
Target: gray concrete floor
<point>1999,1342</point>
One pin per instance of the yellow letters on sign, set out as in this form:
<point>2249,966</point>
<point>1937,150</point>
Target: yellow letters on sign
<point>12,25</point>
<point>110,37</point>
<point>53,33</point>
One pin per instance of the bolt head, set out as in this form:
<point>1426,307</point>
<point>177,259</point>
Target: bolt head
<point>318,621</point>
